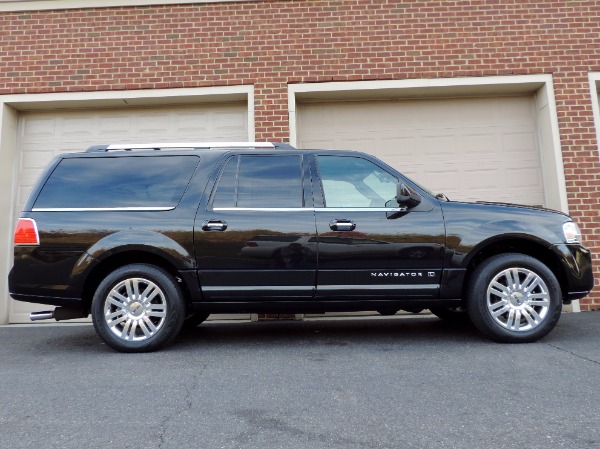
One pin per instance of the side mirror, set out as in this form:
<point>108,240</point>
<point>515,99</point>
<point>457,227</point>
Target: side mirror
<point>406,196</point>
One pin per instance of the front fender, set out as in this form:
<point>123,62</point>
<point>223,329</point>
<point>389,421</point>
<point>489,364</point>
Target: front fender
<point>464,246</point>
<point>473,226</point>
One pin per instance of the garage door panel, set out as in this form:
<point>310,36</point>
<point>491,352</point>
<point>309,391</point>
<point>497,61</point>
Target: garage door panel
<point>524,177</point>
<point>478,111</point>
<point>35,159</point>
<point>519,142</point>
<point>117,125</point>
<point>361,141</point>
<point>26,186</point>
<point>349,118</point>
<point>480,144</point>
<point>444,115</point>
<point>318,143</point>
<point>483,177</point>
<point>231,117</point>
<point>513,110</point>
<point>76,127</point>
<point>443,180</point>
<point>152,122</point>
<point>190,122</point>
<point>443,146</point>
<point>469,148</point>
<point>33,127</point>
<point>42,135</point>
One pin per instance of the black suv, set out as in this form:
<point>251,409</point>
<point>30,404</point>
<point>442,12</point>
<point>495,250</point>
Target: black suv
<point>151,237</point>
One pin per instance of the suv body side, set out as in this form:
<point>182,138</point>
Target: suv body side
<point>281,230</point>
<point>415,257</point>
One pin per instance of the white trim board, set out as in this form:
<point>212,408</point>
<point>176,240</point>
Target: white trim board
<point>44,5</point>
<point>594,78</point>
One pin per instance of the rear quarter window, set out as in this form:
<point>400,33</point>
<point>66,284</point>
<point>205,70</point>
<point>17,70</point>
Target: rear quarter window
<point>117,182</point>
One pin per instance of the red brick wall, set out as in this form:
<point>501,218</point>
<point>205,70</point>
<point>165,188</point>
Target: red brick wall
<point>272,43</point>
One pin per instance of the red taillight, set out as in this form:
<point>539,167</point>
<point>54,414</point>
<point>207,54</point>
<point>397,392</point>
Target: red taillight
<point>26,232</point>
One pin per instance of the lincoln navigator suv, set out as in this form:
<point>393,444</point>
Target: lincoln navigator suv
<point>149,238</point>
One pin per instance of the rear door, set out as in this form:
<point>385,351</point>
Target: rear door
<point>363,249</point>
<point>255,237</point>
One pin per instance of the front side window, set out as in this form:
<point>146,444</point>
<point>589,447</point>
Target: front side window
<point>117,182</point>
<point>260,182</point>
<point>355,182</point>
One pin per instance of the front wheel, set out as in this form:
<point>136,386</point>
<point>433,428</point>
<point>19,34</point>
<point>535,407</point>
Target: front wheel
<point>138,308</point>
<point>514,298</point>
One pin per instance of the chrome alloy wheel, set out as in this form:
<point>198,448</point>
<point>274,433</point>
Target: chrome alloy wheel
<point>518,299</point>
<point>135,309</point>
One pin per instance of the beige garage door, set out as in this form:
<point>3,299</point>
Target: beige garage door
<point>470,149</point>
<point>42,135</point>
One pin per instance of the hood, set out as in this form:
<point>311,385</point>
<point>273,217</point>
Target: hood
<point>515,207</point>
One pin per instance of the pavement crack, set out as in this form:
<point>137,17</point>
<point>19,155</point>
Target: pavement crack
<point>260,421</point>
<point>187,405</point>
<point>574,354</point>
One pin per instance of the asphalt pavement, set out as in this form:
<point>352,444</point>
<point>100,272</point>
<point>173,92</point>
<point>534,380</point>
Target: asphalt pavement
<point>400,382</point>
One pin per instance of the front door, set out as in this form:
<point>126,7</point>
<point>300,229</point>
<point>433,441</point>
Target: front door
<point>254,239</point>
<point>366,251</point>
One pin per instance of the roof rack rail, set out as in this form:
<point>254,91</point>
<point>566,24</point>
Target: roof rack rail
<point>187,145</point>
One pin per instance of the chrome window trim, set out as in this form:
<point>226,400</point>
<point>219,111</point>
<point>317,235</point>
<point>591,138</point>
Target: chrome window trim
<point>360,209</point>
<point>314,209</point>
<point>264,209</point>
<point>102,209</point>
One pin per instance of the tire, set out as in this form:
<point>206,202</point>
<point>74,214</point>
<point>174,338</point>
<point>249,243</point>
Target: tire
<point>195,319</point>
<point>451,314</point>
<point>514,298</point>
<point>138,308</point>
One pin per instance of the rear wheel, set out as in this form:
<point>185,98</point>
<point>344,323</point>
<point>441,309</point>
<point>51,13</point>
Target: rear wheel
<point>514,298</point>
<point>138,308</point>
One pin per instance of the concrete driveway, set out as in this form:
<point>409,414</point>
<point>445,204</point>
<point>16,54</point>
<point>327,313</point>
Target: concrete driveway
<point>400,382</point>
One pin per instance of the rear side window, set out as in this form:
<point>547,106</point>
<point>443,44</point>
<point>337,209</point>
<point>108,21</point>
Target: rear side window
<point>260,182</point>
<point>117,182</point>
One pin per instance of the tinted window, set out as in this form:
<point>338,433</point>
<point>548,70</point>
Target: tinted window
<point>262,181</point>
<point>355,182</point>
<point>118,182</point>
<point>225,194</point>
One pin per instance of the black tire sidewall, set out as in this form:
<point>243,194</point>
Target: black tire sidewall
<point>477,303</point>
<point>173,298</point>
<point>195,319</point>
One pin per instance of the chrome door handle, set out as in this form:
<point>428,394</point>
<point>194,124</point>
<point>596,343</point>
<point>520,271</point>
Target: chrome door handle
<point>342,225</point>
<point>214,225</point>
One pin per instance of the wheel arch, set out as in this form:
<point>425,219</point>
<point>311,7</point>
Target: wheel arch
<point>120,259</point>
<point>531,248</point>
